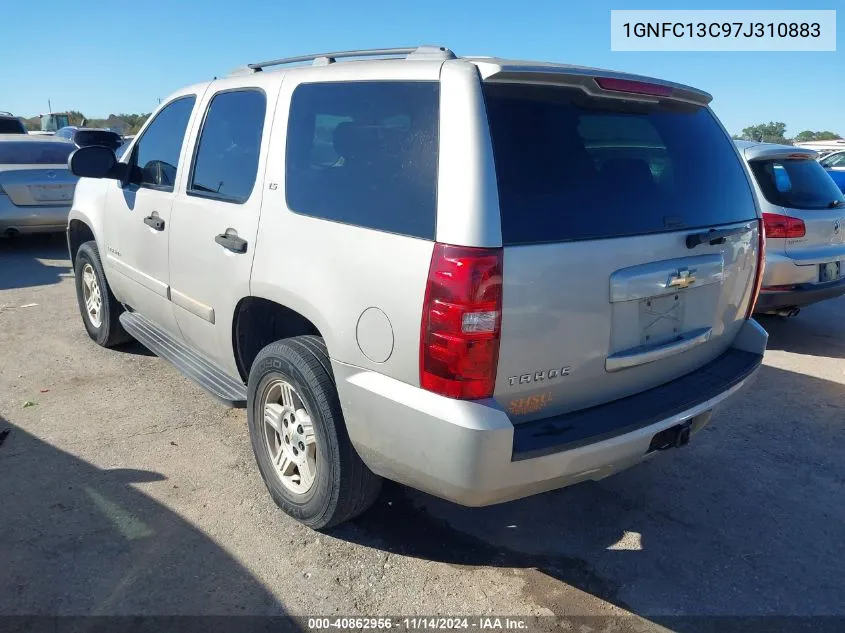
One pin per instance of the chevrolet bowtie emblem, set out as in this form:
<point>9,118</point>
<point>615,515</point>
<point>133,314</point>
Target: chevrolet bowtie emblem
<point>684,278</point>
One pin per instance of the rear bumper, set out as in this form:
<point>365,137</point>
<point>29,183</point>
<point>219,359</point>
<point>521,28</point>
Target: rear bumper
<point>46,219</point>
<point>799,296</point>
<point>470,452</point>
<point>801,276</point>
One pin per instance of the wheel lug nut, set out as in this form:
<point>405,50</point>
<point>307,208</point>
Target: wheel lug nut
<point>301,446</point>
<point>295,452</point>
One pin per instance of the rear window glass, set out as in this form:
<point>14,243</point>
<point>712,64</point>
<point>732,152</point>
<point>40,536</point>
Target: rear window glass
<point>574,167</point>
<point>365,153</point>
<point>796,183</point>
<point>11,126</point>
<point>35,153</point>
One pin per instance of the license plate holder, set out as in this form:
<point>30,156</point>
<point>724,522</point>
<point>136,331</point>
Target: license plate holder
<point>831,271</point>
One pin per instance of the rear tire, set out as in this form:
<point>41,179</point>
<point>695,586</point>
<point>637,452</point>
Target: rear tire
<point>98,306</point>
<point>291,385</point>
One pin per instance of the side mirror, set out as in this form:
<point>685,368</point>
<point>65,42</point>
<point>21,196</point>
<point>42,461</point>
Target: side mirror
<point>94,161</point>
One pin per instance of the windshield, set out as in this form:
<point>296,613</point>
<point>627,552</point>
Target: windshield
<point>797,183</point>
<point>35,153</point>
<point>572,167</point>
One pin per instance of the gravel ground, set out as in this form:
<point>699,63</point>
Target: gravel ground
<point>126,489</point>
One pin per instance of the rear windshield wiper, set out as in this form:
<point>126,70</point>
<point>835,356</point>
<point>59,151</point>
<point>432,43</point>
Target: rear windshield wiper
<point>714,236</point>
<point>835,203</point>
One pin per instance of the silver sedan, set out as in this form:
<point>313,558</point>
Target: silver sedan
<point>36,188</point>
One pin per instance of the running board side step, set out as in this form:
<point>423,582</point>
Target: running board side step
<point>204,372</point>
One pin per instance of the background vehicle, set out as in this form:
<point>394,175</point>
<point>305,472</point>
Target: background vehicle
<point>804,220</point>
<point>835,161</point>
<point>822,147</point>
<point>36,188</point>
<point>54,121</point>
<point>834,165</point>
<point>481,278</point>
<point>10,124</point>
<point>79,136</point>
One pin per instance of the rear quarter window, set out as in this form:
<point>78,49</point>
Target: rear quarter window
<point>573,167</point>
<point>365,153</point>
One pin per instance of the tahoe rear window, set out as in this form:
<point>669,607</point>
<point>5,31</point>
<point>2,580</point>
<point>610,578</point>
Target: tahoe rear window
<point>574,167</point>
<point>365,153</point>
<point>796,183</point>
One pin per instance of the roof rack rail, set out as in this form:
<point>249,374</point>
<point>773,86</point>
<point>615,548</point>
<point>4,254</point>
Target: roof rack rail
<point>7,113</point>
<point>324,59</point>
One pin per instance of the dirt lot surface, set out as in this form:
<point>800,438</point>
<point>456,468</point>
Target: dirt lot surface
<point>126,489</point>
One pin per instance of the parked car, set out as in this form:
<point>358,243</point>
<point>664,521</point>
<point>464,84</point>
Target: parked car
<point>36,188</point>
<point>835,161</point>
<point>431,269</point>
<point>804,220</point>
<point>10,124</point>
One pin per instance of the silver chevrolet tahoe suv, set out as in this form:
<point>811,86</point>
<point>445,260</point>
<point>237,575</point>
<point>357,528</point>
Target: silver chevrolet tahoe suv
<point>478,277</point>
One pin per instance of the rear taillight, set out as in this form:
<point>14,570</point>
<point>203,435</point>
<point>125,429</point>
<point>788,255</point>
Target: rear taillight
<point>783,226</point>
<point>633,87</point>
<point>761,266</point>
<point>461,323</point>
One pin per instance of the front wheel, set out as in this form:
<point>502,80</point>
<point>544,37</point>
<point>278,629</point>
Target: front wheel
<point>299,436</point>
<point>98,306</point>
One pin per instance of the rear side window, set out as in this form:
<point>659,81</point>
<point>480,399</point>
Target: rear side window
<point>795,183</point>
<point>226,163</point>
<point>365,153</point>
<point>35,153</point>
<point>573,167</point>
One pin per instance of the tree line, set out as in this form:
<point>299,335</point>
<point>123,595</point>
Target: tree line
<point>775,132</point>
<point>75,117</point>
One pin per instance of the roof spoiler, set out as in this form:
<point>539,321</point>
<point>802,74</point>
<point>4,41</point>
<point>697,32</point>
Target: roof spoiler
<point>593,81</point>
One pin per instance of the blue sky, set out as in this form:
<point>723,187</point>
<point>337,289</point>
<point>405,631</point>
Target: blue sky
<point>138,52</point>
